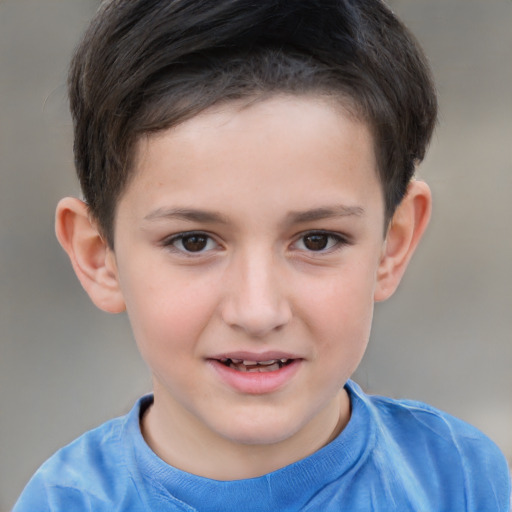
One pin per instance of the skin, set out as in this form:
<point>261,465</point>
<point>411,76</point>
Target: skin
<point>289,257</point>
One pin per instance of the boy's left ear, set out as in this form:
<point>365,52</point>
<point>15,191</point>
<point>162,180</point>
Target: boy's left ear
<point>404,233</point>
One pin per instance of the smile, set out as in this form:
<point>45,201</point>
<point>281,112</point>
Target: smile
<point>256,366</point>
<point>245,374</point>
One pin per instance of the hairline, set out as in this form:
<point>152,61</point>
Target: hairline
<point>336,99</point>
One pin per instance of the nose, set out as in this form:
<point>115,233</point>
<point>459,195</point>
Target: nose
<point>254,300</point>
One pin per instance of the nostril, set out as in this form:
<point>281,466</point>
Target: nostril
<point>254,302</point>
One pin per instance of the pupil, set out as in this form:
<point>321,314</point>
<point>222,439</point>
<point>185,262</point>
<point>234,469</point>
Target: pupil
<point>316,242</point>
<point>194,243</point>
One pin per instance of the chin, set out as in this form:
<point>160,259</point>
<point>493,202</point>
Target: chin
<point>258,432</point>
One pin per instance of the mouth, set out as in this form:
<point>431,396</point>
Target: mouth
<point>244,365</point>
<point>256,374</point>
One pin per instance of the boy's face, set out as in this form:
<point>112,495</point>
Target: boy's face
<point>252,233</point>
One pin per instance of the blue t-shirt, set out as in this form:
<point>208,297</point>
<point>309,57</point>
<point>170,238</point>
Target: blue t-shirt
<point>392,455</point>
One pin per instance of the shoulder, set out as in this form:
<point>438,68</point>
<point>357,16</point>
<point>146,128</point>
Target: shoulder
<point>85,474</point>
<point>412,418</point>
<point>441,449</point>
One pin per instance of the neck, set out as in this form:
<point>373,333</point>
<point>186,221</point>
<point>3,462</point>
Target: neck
<point>185,443</point>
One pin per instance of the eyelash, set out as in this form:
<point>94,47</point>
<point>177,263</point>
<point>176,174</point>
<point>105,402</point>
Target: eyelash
<point>170,242</point>
<point>334,242</point>
<point>337,241</point>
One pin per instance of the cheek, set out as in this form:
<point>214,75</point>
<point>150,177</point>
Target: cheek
<point>168,314</point>
<point>341,316</point>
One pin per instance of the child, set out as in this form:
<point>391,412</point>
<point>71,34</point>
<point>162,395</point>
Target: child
<point>247,170</point>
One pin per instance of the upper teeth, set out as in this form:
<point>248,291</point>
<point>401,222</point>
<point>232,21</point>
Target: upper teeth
<point>251,363</point>
<point>247,362</point>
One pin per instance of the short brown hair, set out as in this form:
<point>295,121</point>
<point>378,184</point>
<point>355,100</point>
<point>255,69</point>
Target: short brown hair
<point>147,65</point>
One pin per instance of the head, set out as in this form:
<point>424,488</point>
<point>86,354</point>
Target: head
<point>247,174</point>
<point>147,65</point>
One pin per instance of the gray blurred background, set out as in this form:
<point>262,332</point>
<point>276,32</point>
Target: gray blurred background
<point>445,338</point>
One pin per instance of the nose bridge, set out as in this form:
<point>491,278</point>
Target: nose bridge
<point>255,301</point>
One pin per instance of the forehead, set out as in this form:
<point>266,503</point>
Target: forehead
<point>283,147</point>
<point>257,109</point>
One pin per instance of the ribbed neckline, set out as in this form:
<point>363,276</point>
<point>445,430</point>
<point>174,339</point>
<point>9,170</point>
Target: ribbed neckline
<point>287,488</point>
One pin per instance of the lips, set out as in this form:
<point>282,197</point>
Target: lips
<point>256,373</point>
<point>246,365</point>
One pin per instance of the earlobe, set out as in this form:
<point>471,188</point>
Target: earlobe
<point>93,261</point>
<point>404,233</point>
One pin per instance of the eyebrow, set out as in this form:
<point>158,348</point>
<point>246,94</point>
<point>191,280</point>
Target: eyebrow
<point>195,215</point>
<point>187,214</point>
<point>325,213</point>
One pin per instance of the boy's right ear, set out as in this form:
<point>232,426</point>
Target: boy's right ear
<point>93,261</point>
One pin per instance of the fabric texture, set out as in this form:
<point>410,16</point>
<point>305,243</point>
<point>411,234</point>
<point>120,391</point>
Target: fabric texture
<point>392,455</point>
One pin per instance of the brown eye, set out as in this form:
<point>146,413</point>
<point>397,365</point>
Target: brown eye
<point>321,242</point>
<point>194,243</point>
<point>316,241</point>
<point>191,243</point>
